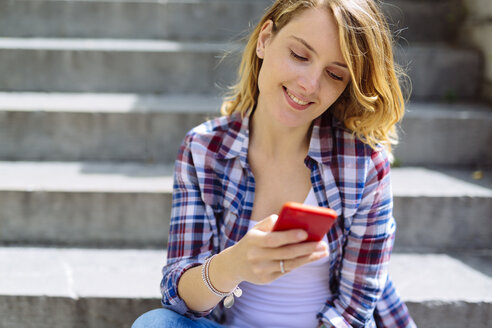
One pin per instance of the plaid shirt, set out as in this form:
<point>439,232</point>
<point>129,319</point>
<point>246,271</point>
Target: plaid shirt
<point>213,200</point>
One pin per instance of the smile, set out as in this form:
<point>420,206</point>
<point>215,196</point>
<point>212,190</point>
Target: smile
<point>295,99</point>
<point>295,102</point>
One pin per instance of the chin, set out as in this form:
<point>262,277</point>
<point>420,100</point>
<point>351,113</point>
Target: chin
<point>292,119</point>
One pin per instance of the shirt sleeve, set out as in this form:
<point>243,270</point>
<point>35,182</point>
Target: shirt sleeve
<point>366,253</point>
<point>190,231</point>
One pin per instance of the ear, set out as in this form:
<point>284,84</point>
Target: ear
<point>264,38</point>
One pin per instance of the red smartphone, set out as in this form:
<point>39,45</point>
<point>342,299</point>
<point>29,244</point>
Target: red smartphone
<point>316,221</point>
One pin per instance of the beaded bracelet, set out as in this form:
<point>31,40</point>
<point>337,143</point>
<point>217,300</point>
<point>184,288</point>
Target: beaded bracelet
<point>229,297</point>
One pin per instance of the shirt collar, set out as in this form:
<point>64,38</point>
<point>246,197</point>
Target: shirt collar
<point>321,144</point>
<point>236,141</point>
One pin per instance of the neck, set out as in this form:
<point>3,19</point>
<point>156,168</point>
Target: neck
<point>276,141</point>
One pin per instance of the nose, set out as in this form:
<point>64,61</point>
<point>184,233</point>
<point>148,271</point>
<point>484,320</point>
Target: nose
<point>310,80</point>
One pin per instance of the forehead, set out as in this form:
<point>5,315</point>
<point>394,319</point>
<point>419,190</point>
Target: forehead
<point>317,26</point>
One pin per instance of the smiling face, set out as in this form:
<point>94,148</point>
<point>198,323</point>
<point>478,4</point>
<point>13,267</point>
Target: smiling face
<point>303,70</point>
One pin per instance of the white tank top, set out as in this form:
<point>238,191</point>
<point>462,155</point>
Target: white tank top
<point>292,300</point>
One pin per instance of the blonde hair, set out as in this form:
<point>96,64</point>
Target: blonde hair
<point>373,102</point>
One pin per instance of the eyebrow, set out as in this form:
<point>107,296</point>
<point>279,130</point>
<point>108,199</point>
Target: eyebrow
<point>307,45</point>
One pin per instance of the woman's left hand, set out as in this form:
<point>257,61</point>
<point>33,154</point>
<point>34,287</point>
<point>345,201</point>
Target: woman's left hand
<point>261,254</point>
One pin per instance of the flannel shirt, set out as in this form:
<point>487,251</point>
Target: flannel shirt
<point>213,199</point>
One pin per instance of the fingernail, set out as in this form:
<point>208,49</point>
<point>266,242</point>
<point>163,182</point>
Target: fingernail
<point>320,247</point>
<point>301,235</point>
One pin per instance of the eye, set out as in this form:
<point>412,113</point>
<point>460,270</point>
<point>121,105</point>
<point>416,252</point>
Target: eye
<point>334,76</point>
<point>297,57</point>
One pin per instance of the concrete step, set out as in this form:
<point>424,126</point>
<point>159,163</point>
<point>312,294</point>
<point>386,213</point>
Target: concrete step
<point>111,288</point>
<point>94,65</point>
<point>443,290</point>
<point>425,20</point>
<point>440,72</point>
<point>446,134</point>
<point>429,21</point>
<point>87,204</point>
<point>128,205</point>
<point>434,206</point>
<point>98,127</point>
<point>148,66</point>
<point>150,128</point>
<point>150,19</point>
<point>50,287</point>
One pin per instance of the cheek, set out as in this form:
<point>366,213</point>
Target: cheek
<point>270,75</point>
<point>332,91</point>
<point>280,65</point>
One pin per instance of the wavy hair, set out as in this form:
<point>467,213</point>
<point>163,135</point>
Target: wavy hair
<point>373,101</point>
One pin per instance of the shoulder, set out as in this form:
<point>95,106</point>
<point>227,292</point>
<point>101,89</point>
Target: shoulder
<point>361,173</point>
<point>204,156</point>
<point>211,136</point>
<point>353,152</point>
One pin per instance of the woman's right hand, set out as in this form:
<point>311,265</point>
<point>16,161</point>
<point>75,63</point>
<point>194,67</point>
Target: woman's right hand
<point>257,255</point>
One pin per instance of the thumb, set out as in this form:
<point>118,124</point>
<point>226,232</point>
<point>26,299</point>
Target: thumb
<point>266,225</point>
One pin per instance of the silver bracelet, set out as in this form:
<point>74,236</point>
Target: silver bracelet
<point>229,297</point>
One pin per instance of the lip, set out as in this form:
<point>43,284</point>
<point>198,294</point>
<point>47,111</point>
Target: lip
<point>294,104</point>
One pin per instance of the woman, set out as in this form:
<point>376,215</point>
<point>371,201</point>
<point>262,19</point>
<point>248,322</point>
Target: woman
<point>310,120</point>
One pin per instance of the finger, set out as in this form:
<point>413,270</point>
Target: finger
<point>281,238</point>
<point>267,224</point>
<point>296,250</point>
<point>292,264</point>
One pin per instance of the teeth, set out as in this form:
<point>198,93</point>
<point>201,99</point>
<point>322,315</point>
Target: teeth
<point>296,100</point>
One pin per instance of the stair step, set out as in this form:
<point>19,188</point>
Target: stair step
<point>96,65</point>
<point>150,19</point>
<point>433,207</point>
<point>151,66</point>
<point>88,204</point>
<point>446,134</point>
<point>440,72</point>
<point>424,20</point>
<point>444,290</point>
<point>109,288</point>
<point>128,205</point>
<point>150,128</point>
<point>98,127</point>
<point>429,21</point>
<point>108,103</point>
<point>50,287</point>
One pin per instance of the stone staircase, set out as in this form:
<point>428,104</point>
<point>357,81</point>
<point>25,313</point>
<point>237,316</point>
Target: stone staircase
<point>95,97</point>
